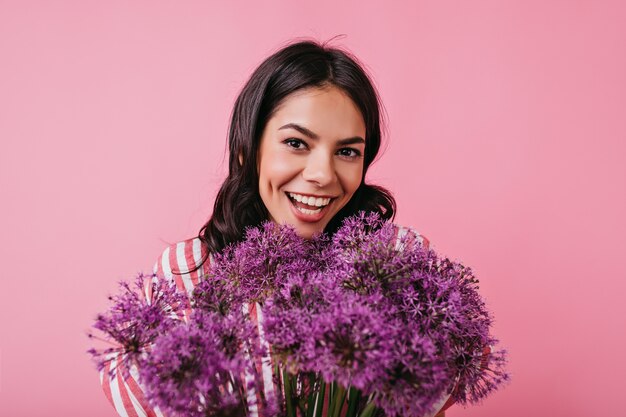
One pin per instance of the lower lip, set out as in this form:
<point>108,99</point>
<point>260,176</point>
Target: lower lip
<point>309,218</point>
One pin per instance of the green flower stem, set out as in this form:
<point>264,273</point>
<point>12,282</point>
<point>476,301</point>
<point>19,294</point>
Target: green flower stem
<point>369,410</point>
<point>320,399</point>
<point>338,400</point>
<point>310,404</point>
<point>331,398</point>
<point>354,396</point>
<point>331,392</point>
<point>291,412</point>
<point>277,372</point>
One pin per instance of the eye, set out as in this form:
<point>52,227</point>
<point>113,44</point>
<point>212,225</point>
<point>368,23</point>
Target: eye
<point>295,143</point>
<point>350,153</point>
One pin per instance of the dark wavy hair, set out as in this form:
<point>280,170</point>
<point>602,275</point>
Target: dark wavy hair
<point>299,65</point>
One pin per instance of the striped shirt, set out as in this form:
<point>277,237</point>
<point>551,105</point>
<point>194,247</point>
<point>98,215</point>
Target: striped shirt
<point>126,394</point>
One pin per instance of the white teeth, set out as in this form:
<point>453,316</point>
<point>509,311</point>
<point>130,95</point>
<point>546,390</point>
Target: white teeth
<point>311,201</point>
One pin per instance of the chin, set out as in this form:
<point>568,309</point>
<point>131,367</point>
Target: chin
<point>308,232</point>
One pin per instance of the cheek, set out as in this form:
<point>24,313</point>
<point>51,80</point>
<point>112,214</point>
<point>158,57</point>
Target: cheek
<point>275,170</point>
<point>351,179</point>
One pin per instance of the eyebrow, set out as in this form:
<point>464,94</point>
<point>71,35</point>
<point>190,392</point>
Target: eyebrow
<point>312,135</point>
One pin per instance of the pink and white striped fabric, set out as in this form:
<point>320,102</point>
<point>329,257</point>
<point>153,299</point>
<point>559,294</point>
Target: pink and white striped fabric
<point>127,395</point>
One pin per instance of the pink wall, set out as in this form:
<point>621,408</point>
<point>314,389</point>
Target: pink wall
<point>507,150</point>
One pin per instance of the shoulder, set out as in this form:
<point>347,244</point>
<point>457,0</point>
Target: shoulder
<point>409,235</point>
<point>178,261</point>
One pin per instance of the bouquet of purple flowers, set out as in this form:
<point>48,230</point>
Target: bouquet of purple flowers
<point>363,323</point>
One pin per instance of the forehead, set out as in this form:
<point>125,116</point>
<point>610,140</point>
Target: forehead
<point>326,111</point>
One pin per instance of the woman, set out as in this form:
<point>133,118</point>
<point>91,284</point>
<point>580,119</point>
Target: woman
<point>303,132</point>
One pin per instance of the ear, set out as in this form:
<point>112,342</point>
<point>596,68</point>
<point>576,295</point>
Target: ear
<point>240,159</point>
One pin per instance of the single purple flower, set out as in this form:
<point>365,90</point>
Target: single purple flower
<point>290,312</point>
<point>199,369</point>
<point>351,343</point>
<point>252,269</point>
<point>134,321</point>
<point>417,379</point>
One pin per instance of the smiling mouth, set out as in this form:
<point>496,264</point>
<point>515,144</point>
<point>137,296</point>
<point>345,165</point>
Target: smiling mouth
<point>310,206</point>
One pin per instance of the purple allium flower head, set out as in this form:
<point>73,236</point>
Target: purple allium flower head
<point>352,344</point>
<point>290,312</point>
<point>266,251</point>
<point>250,270</point>
<point>364,250</point>
<point>219,290</point>
<point>197,369</point>
<point>479,373</point>
<point>449,308</point>
<point>357,229</point>
<point>417,379</point>
<point>132,323</point>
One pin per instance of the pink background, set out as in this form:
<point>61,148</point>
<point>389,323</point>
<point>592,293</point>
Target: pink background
<point>507,150</point>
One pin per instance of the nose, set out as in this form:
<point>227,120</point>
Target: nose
<point>319,169</point>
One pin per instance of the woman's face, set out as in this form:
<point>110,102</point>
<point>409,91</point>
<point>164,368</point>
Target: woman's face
<point>310,159</point>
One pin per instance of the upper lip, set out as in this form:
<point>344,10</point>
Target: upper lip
<point>311,195</point>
